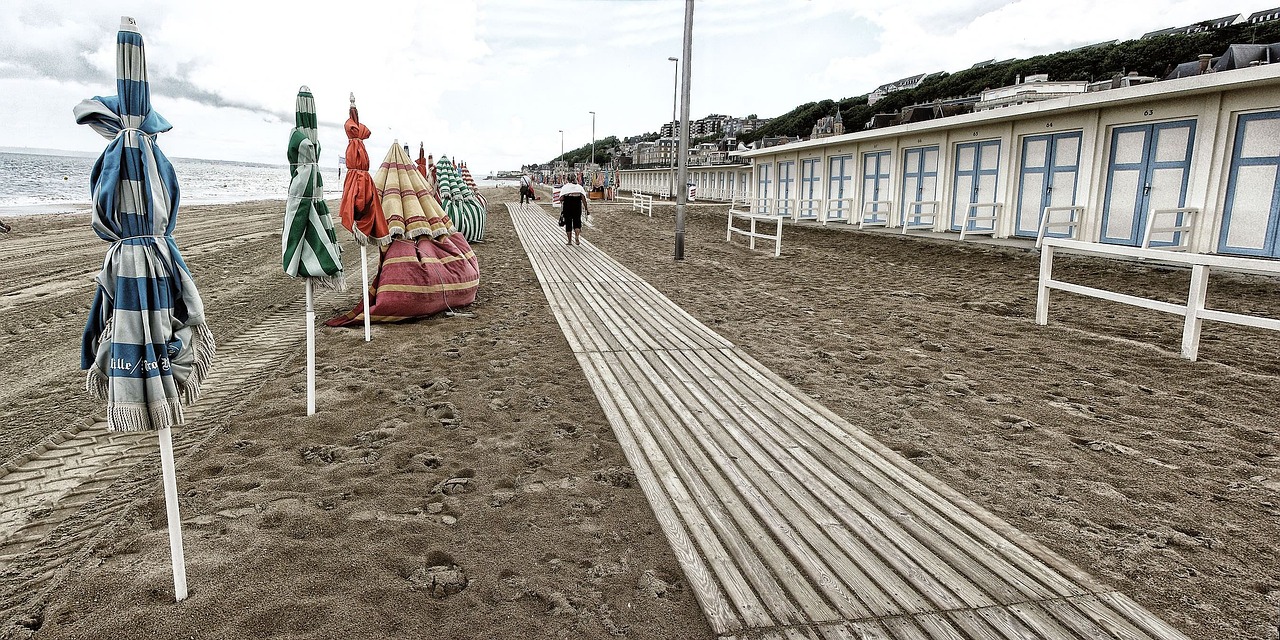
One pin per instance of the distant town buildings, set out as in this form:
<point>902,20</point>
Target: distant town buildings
<point>1268,15</point>
<point>828,126</point>
<point>883,90</point>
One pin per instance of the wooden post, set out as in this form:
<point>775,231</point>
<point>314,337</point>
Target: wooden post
<point>1195,305</point>
<point>311,353</point>
<point>1042,290</point>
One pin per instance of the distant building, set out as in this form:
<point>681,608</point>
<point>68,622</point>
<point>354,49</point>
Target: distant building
<point>1259,17</point>
<point>828,126</point>
<point>1119,82</point>
<point>773,141</point>
<point>883,90</point>
<point>738,127</point>
<point>1205,25</point>
<point>1237,56</point>
<point>1034,88</point>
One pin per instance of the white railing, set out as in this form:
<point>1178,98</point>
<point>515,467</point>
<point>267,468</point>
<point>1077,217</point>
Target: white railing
<point>1193,312</point>
<point>1184,222</point>
<point>748,213</point>
<point>971,217</point>
<point>1047,224</point>
<point>837,210</point>
<point>642,203</point>
<point>909,212</point>
<point>809,209</point>
<point>876,217</point>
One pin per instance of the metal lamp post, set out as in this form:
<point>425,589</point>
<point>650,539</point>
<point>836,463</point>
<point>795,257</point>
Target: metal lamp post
<point>593,136</point>
<point>675,86</point>
<point>682,176</point>
<point>561,158</point>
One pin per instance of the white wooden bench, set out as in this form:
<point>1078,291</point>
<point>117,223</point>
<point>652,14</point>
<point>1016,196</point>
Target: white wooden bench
<point>876,217</point>
<point>747,213</point>
<point>1193,312</point>
<point>932,215</point>
<point>1181,227</point>
<point>1070,225</point>
<point>642,202</point>
<point>971,216</point>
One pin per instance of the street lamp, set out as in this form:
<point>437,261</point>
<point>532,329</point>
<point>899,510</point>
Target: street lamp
<point>593,136</point>
<point>675,87</point>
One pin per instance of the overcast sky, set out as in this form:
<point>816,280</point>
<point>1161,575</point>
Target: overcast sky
<point>493,82</point>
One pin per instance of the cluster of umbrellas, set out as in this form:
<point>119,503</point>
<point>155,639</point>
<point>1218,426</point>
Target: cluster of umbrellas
<point>147,346</point>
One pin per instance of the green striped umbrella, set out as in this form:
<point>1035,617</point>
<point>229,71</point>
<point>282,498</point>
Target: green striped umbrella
<point>308,243</point>
<point>459,202</point>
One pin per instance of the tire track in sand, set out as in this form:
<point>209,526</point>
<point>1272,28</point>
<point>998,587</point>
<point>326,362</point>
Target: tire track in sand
<point>62,496</point>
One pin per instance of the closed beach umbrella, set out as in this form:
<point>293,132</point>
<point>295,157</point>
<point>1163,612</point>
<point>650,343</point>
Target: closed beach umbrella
<point>146,345</point>
<point>361,208</point>
<point>433,179</point>
<point>471,183</point>
<point>459,202</point>
<point>308,244</point>
<point>422,160</point>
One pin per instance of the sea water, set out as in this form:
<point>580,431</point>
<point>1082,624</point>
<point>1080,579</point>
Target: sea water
<point>38,183</point>
<point>32,183</point>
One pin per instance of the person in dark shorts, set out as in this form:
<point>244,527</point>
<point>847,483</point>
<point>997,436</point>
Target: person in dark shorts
<point>573,206</point>
<point>526,189</point>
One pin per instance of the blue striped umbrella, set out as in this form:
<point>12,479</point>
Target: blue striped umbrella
<point>146,345</point>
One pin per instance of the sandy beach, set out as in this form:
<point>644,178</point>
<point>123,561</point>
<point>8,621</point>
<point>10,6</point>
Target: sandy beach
<point>460,480</point>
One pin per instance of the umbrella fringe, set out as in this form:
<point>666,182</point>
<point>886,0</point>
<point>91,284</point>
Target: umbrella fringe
<point>422,231</point>
<point>205,349</point>
<point>144,417</point>
<point>334,283</point>
<point>363,240</point>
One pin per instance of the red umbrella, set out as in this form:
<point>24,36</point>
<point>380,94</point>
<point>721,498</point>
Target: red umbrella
<point>361,208</point>
<point>422,160</point>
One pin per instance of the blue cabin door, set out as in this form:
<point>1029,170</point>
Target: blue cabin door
<point>763,190</point>
<point>1050,167</point>
<point>1251,220</point>
<point>875,187</point>
<point>919,183</point>
<point>809,206</point>
<point>786,178</point>
<point>839,186</point>
<point>977,169</point>
<point>1149,168</point>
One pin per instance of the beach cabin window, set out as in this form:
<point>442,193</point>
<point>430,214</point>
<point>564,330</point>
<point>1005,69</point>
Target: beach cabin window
<point>786,180</point>
<point>875,187</point>
<point>1050,168</point>
<point>919,183</point>
<point>810,193</point>
<point>720,185</point>
<point>742,183</point>
<point>1251,221</point>
<point>977,173</point>
<point>1148,170</point>
<point>839,186</point>
<point>763,191</point>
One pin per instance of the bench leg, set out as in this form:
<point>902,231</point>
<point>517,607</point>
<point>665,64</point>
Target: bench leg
<point>1195,304</point>
<point>1042,290</point>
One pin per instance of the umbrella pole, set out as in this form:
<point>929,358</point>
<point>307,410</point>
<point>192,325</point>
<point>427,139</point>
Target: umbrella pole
<point>364,279</point>
<point>175,521</point>
<point>311,354</point>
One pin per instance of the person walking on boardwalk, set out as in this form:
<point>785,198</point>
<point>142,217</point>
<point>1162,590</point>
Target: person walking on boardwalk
<point>573,206</point>
<point>526,189</point>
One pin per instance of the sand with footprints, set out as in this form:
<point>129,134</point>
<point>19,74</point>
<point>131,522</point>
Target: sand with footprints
<point>461,481</point>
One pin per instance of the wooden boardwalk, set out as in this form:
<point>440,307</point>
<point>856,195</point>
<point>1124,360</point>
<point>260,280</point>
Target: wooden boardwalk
<point>788,521</point>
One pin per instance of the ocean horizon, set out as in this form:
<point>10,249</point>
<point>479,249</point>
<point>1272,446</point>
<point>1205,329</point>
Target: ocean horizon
<point>46,181</point>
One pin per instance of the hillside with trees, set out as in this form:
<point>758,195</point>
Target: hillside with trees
<point>1152,57</point>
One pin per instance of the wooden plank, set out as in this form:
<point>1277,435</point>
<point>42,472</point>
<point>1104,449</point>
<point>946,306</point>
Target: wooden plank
<point>877,532</point>
<point>1040,621</point>
<point>881,588</point>
<point>1009,624</point>
<point>766,566</point>
<point>678,334</point>
<point>821,566</point>
<point>702,522</point>
<point>938,627</point>
<point>930,528</point>
<point>1140,617</point>
<point>673,511</point>
<point>630,334</point>
<point>1013,546</point>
